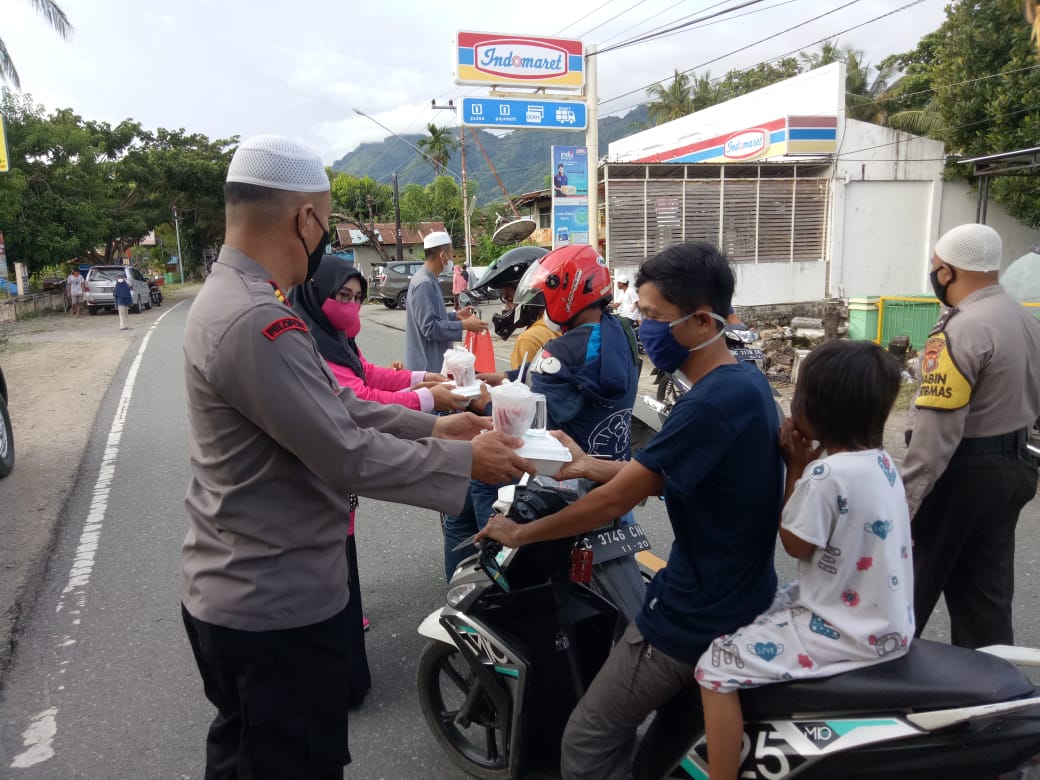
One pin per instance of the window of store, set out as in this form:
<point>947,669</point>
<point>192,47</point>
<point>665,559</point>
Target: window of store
<point>757,213</point>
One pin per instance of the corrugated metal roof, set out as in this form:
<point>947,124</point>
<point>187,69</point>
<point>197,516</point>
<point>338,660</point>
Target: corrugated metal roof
<point>351,236</point>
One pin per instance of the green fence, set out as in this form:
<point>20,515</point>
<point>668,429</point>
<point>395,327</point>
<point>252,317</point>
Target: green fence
<point>883,318</point>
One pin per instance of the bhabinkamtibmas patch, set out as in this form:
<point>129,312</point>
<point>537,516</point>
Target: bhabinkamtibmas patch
<point>283,325</point>
<point>943,386</point>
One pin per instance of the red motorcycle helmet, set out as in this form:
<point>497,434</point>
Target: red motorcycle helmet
<point>571,279</point>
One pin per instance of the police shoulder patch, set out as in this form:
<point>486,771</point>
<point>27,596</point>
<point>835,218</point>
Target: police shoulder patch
<point>943,386</point>
<point>282,325</point>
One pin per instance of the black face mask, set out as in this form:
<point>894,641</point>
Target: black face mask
<point>503,324</point>
<point>314,257</point>
<point>940,289</point>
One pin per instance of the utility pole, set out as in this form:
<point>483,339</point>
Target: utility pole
<point>465,193</point>
<point>180,257</point>
<point>592,142</point>
<point>397,220</point>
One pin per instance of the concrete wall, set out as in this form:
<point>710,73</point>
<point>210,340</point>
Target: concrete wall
<point>768,283</point>
<point>958,207</point>
<point>29,305</point>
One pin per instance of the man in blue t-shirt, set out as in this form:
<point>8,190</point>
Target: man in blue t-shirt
<point>717,462</point>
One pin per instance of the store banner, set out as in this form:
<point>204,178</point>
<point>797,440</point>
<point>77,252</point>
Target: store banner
<point>570,195</point>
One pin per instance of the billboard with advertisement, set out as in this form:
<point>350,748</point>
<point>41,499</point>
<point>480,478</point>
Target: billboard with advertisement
<point>570,224</point>
<point>519,60</point>
<point>570,195</point>
<point>570,171</point>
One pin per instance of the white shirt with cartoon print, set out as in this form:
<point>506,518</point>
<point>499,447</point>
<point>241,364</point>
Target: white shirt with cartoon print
<point>852,605</point>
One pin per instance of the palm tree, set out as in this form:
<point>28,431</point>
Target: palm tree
<point>864,93</point>
<point>671,102</point>
<point>50,11</point>
<point>704,92</point>
<point>437,147</point>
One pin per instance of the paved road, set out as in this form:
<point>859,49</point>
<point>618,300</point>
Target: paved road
<point>102,683</point>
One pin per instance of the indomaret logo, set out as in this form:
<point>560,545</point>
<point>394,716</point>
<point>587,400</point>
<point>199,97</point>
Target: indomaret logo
<point>746,144</point>
<point>520,59</point>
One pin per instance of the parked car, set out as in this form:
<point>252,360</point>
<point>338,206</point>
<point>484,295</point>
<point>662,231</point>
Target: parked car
<point>389,283</point>
<point>6,434</point>
<point>102,278</point>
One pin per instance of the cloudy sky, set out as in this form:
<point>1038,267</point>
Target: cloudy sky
<point>226,67</point>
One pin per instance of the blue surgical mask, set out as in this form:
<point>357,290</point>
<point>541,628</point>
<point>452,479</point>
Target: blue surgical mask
<point>661,347</point>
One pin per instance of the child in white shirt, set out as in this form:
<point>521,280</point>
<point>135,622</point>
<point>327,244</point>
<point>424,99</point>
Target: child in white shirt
<point>845,519</point>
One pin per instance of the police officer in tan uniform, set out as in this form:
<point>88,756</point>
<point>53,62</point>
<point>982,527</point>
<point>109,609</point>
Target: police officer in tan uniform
<point>966,472</point>
<point>276,449</point>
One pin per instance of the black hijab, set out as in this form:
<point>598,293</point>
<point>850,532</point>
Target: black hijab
<point>307,300</point>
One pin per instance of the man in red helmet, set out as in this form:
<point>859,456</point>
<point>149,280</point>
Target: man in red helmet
<point>589,374</point>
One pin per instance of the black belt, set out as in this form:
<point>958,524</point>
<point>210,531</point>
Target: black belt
<point>1012,442</point>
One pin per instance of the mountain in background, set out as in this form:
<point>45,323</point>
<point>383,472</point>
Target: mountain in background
<point>521,157</point>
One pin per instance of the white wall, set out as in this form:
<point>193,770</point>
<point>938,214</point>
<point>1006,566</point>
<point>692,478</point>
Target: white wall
<point>764,283</point>
<point>958,207</point>
<point>885,238</point>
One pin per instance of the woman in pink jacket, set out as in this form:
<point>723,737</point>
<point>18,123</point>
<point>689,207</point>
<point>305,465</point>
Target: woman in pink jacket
<point>330,304</point>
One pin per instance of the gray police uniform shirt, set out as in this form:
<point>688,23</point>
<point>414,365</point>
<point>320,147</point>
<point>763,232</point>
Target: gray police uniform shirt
<point>430,330</point>
<point>276,447</point>
<point>980,376</point>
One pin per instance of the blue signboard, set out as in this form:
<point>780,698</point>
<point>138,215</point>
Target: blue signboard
<point>528,114</point>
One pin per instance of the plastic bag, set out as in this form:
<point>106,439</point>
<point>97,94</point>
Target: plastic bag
<point>482,348</point>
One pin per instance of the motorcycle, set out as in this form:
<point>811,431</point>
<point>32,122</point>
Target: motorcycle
<point>509,659</point>
<point>518,643</point>
<point>155,292</point>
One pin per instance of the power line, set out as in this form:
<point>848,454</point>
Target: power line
<point>675,28</point>
<point>586,16</point>
<point>615,16</point>
<point>742,48</point>
<point>653,16</point>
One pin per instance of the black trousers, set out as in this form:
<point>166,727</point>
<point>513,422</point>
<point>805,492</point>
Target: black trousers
<point>281,699</point>
<point>360,676</point>
<point>964,543</point>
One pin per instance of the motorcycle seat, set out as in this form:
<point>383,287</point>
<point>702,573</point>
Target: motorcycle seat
<point>930,676</point>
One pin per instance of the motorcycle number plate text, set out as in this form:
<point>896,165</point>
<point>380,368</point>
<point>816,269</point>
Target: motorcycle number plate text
<point>611,543</point>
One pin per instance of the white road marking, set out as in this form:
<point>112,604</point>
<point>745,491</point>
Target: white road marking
<point>38,738</point>
<point>39,735</point>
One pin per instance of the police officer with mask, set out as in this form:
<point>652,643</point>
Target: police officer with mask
<point>276,450</point>
<point>966,472</point>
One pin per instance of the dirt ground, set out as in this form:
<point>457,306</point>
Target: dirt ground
<point>57,369</point>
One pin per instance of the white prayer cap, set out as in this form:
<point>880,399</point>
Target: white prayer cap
<point>278,163</point>
<point>971,247</point>
<point>435,239</point>
<point>622,279</point>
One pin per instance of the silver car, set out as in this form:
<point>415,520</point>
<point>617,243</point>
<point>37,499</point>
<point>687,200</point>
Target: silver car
<point>102,278</point>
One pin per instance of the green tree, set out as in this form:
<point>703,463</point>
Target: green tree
<point>981,65</point>
<point>361,202</point>
<point>50,11</point>
<point>740,82</point>
<point>865,85</point>
<point>437,147</point>
<point>670,102</point>
<point>88,190</point>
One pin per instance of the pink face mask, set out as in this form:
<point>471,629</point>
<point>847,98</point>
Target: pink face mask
<point>343,316</point>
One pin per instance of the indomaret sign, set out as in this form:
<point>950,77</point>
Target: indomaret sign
<point>519,60</point>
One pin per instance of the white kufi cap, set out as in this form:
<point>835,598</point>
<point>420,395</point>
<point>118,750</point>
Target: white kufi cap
<point>971,247</point>
<point>278,163</point>
<point>435,239</point>
<point>622,279</point>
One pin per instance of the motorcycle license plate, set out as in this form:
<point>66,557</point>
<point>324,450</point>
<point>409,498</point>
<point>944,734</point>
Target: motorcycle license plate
<point>748,355</point>
<point>610,543</point>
